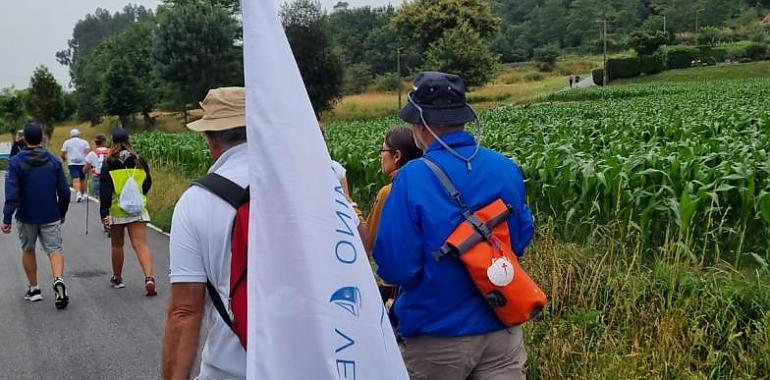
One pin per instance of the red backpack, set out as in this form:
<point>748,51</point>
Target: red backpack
<point>238,198</point>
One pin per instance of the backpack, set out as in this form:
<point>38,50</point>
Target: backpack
<point>131,199</point>
<point>238,198</point>
<point>101,154</point>
<point>482,243</point>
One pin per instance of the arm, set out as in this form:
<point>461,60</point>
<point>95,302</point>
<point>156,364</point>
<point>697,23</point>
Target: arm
<point>106,188</point>
<point>188,278</point>
<point>398,246</point>
<point>90,157</point>
<point>64,152</point>
<point>183,325</point>
<point>11,193</point>
<point>147,184</point>
<point>62,191</point>
<point>373,222</point>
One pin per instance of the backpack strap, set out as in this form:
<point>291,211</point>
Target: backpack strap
<point>450,188</point>
<point>224,188</point>
<point>235,196</point>
<point>218,304</point>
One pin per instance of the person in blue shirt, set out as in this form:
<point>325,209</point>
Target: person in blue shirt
<point>36,192</point>
<point>448,330</point>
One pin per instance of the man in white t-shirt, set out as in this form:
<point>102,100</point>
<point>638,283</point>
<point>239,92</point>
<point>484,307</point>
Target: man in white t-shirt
<point>200,250</point>
<point>73,152</point>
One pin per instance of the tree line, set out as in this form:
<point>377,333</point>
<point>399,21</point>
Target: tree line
<point>132,62</point>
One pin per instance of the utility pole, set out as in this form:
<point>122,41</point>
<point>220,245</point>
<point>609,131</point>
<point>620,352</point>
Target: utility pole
<point>697,14</point>
<point>606,78</point>
<point>398,67</point>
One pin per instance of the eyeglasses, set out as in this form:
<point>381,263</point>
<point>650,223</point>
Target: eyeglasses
<point>391,151</point>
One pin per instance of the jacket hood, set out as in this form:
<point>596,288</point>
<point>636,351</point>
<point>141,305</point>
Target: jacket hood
<point>36,156</point>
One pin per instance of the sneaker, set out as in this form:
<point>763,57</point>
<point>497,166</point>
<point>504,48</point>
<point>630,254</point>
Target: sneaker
<point>117,283</point>
<point>61,300</point>
<point>33,294</point>
<point>79,198</point>
<point>149,286</point>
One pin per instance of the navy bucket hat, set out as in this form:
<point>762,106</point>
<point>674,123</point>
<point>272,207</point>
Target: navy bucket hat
<point>440,97</point>
<point>119,135</point>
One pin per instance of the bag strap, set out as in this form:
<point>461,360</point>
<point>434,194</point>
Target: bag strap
<point>224,188</point>
<point>450,188</point>
<point>218,304</point>
<point>235,196</point>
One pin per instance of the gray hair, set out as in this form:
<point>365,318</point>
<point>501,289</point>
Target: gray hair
<point>229,137</point>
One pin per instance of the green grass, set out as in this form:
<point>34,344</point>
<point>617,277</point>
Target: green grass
<point>709,73</point>
<point>610,316</point>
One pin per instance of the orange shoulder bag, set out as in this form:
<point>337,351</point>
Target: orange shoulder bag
<point>482,242</point>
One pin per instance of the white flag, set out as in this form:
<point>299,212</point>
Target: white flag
<point>314,309</point>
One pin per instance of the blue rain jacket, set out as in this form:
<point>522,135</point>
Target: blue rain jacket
<point>439,298</point>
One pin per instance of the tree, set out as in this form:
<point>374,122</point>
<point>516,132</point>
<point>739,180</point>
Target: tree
<point>194,48</point>
<point>647,42</point>
<point>46,99</point>
<point>463,52</point>
<point>87,61</point>
<point>130,54</point>
<point>511,45</point>
<point>321,69</point>
<point>349,29</point>
<point>94,28</point>
<point>425,21</point>
<point>232,6</point>
<point>546,57</point>
<point>13,110</point>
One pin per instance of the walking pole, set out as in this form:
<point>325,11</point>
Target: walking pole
<point>85,178</point>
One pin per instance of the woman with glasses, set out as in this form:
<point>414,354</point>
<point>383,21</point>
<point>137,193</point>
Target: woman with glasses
<point>397,149</point>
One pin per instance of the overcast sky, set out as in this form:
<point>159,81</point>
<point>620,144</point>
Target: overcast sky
<point>32,31</point>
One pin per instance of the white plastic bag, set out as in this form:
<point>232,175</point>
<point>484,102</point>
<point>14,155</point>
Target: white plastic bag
<point>131,200</point>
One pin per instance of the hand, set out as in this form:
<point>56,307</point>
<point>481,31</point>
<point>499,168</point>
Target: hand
<point>62,220</point>
<point>6,228</point>
<point>106,222</point>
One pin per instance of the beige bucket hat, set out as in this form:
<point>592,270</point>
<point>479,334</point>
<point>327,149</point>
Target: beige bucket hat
<point>223,108</point>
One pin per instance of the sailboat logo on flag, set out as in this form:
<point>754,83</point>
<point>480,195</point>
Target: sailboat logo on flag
<point>348,298</point>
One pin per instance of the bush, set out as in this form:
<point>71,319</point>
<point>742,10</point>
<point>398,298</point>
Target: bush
<point>709,35</point>
<point>716,54</point>
<point>680,57</point>
<point>598,75</point>
<point>387,82</point>
<point>356,78</point>
<point>652,64</point>
<point>546,57</point>
<point>622,67</point>
<point>647,42</point>
<point>756,51</point>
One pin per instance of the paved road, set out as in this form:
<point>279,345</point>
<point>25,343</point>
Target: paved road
<point>104,333</point>
<point>586,81</point>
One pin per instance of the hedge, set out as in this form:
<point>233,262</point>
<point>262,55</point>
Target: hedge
<point>598,75</point>
<point>652,64</point>
<point>681,57</point>
<point>622,67</point>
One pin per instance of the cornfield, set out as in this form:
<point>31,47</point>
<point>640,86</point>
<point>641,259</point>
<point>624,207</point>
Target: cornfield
<point>685,165</point>
<point>186,151</point>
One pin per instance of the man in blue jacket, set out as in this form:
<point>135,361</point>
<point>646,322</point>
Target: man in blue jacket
<point>448,330</point>
<point>37,192</point>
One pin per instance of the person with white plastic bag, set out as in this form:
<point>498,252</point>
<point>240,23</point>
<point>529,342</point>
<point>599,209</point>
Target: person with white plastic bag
<point>125,181</point>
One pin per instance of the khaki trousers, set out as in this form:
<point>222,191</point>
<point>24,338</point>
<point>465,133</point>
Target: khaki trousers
<point>499,355</point>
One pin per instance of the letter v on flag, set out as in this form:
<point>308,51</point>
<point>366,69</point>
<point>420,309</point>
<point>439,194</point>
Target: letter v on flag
<point>314,308</point>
